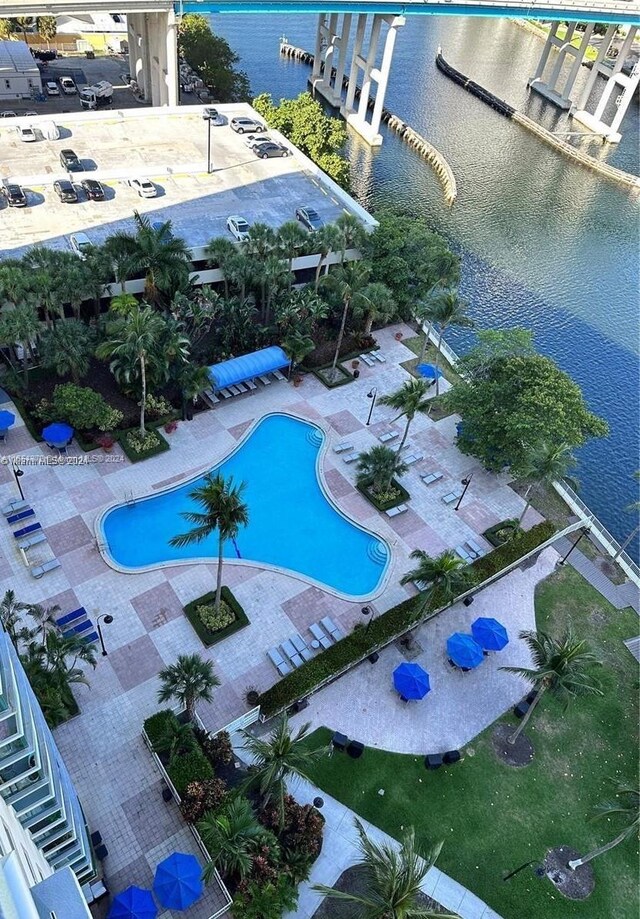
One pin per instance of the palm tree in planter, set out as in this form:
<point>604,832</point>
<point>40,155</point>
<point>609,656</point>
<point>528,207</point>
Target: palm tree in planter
<point>45,618</point>
<point>163,258</point>
<point>326,240</point>
<point>377,468</point>
<point>446,576</point>
<point>349,282</point>
<point>410,400</point>
<point>545,464</point>
<point>625,810</point>
<point>449,310</point>
<point>561,665</point>
<point>232,835</point>
<point>376,305</point>
<point>224,510</point>
<point>190,680</point>
<point>282,755</point>
<point>393,879</point>
<point>297,346</point>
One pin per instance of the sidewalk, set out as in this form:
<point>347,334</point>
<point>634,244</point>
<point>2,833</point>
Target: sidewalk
<point>619,595</point>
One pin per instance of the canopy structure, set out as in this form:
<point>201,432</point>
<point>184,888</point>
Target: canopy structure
<point>248,366</point>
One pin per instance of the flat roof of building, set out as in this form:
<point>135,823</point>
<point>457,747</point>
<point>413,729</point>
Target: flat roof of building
<point>168,146</point>
<point>16,56</point>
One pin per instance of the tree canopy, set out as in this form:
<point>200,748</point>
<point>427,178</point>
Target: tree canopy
<point>213,60</point>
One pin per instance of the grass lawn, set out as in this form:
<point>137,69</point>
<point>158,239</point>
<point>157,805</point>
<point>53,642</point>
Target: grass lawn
<point>494,818</point>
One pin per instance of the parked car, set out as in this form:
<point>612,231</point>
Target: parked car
<point>66,191</point>
<point>244,125</point>
<point>213,115</point>
<point>254,139</point>
<point>268,150</point>
<point>309,218</point>
<point>69,160</point>
<point>68,87</point>
<point>8,115</point>
<point>14,195</point>
<point>144,187</point>
<point>238,227</point>
<point>30,115</point>
<point>51,88</point>
<point>26,134</point>
<point>92,189</point>
<point>80,243</point>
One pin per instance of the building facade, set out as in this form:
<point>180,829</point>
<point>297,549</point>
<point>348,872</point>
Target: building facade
<point>19,74</point>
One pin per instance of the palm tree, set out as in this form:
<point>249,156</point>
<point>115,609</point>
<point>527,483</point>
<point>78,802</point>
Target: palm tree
<point>58,648</point>
<point>393,879</point>
<point>25,22</point>
<point>425,311</point>
<point>164,258</point>
<point>240,272</point>
<point>231,836</point>
<point>625,809</point>
<point>377,468</point>
<point>14,281</point>
<point>21,325</point>
<point>349,282</point>
<point>449,310</point>
<point>273,275</point>
<point>297,346</point>
<point>410,400</point>
<point>122,304</point>
<point>376,305</point>
<point>634,507</point>
<point>220,250</point>
<point>281,756</point>
<point>353,233</point>
<point>190,680</point>
<point>560,665</point>
<point>262,241</point>
<point>68,348</point>
<point>10,610</point>
<point>176,739</point>
<point>326,240</point>
<point>291,237</point>
<point>132,340</point>
<point>446,575</point>
<point>45,617</point>
<point>224,510</point>
<point>546,463</point>
<point>444,267</point>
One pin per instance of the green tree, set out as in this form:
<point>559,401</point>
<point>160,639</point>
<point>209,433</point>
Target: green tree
<point>11,616</point>
<point>560,665</point>
<point>231,837</point>
<point>393,879</point>
<point>25,22</point>
<point>164,259</point>
<point>45,618</point>
<point>7,29</point>
<point>328,239</point>
<point>47,26</point>
<point>410,400</point>
<point>349,282</point>
<point>353,233</point>
<point>445,577</point>
<point>449,310</point>
<point>493,345</point>
<point>20,325</point>
<point>224,511</point>
<point>220,251</point>
<point>297,346</point>
<point>518,403</point>
<point>68,348</point>
<point>291,238</point>
<point>190,680</point>
<point>547,463</point>
<point>625,811</point>
<point>377,467</point>
<point>376,305</point>
<point>176,739</point>
<point>213,60</point>
<point>14,281</point>
<point>278,758</point>
<point>270,900</point>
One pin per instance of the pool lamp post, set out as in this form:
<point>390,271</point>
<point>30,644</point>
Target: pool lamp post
<point>373,395</point>
<point>17,474</point>
<point>466,482</point>
<point>108,619</point>
<point>367,611</point>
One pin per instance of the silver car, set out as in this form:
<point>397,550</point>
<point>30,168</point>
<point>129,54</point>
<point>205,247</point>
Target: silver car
<point>244,125</point>
<point>238,227</point>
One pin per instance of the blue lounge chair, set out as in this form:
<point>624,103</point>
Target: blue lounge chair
<point>39,570</point>
<point>475,548</point>
<point>26,530</point>
<point>23,515</point>
<point>79,629</point>
<point>71,618</point>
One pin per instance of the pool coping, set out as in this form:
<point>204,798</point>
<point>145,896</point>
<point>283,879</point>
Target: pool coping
<point>102,543</point>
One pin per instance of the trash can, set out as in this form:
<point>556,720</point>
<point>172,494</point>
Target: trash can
<point>90,55</point>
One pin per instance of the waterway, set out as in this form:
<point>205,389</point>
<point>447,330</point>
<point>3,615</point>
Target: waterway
<point>544,243</point>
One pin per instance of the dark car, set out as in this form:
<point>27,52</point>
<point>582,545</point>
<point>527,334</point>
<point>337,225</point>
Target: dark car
<point>69,161</point>
<point>309,218</point>
<point>14,195</point>
<point>66,191</point>
<point>266,151</point>
<point>93,189</point>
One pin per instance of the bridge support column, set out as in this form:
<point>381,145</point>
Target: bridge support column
<point>551,89</point>
<point>332,37</point>
<point>615,78</point>
<point>153,56</point>
<point>138,57</point>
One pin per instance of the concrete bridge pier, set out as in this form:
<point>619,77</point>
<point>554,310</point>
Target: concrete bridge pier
<point>551,88</point>
<point>332,37</point>
<point>153,55</point>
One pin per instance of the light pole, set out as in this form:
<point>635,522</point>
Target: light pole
<point>108,619</point>
<point>466,482</point>
<point>583,532</point>
<point>367,611</point>
<point>209,145</point>
<point>373,395</point>
<point>17,474</point>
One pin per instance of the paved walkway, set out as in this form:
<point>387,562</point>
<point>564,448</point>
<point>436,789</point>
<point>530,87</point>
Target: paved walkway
<point>619,595</point>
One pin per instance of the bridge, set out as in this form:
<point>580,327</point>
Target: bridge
<point>356,39</point>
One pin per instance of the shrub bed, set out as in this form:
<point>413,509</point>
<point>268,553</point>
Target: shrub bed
<point>320,373</point>
<point>522,543</point>
<point>502,532</point>
<point>229,603</point>
<point>188,768</point>
<point>401,496</point>
<point>137,448</point>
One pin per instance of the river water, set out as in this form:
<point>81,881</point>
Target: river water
<point>544,243</point>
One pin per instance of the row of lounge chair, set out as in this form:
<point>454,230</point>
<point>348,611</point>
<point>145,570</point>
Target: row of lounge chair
<point>371,357</point>
<point>293,652</point>
<point>29,535</point>
<point>77,623</point>
<point>238,388</point>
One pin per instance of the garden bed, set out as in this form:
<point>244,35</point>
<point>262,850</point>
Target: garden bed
<point>210,637</point>
<point>346,376</point>
<point>136,456</point>
<point>502,532</point>
<point>401,496</point>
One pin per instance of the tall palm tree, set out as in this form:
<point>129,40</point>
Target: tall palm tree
<point>426,311</point>
<point>561,665</point>
<point>449,310</point>
<point>353,233</point>
<point>377,468</point>
<point>131,342</point>
<point>624,810</point>
<point>393,879</point>
<point>190,680</point>
<point>281,756</point>
<point>68,348</point>
<point>633,507</point>
<point>224,510</point>
<point>14,281</point>
<point>410,400</point>
<point>291,238</point>
<point>240,272</point>
<point>46,267</point>
<point>446,577</point>
<point>376,305</point>
<point>231,836</point>
<point>163,258</point>
<point>20,324</point>
<point>349,282</point>
<point>62,653</point>
<point>326,240</point>
<point>546,463</point>
<point>45,617</point>
<point>274,276</point>
<point>297,346</point>
<point>10,616</point>
<point>444,267</point>
<point>219,251</point>
<point>262,241</point>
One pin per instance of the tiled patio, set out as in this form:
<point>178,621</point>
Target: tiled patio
<point>102,746</point>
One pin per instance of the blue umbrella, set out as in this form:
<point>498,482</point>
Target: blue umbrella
<point>133,903</point>
<point>6,420</point>
<point>411,681</point>
<point>490,634</point>
<point>429,371</point>
<point>464,651</point>
<point>58,434</point>
<point>178,882</point>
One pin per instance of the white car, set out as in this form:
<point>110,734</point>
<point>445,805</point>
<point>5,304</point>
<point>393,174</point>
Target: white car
<point>238,227</point>
<point>68,86</point>
<point>144,187</point>
<point>254,139</point>
<point>26,134</point>
<point>80,243</point>
<point>52,88</point>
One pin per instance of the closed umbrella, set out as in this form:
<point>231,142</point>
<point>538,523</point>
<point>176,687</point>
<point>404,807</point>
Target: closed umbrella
<point>178,882</point>
<point>411,681</point>
<point>464,651</point>
<point>133,903</point>
<point>490,634</point>
<point>57,434</point>
<point>6,420</point>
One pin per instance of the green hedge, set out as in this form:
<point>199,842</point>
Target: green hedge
<point>522,543</point>
<point>346,376</point>
<point>191,767</point>
<point>155,727</point>
<point>385,505</point>
<point>161,447</point>
<point>492,533</point>
<point>207,637</point>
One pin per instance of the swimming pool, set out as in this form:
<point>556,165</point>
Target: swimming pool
<point>293,525</point>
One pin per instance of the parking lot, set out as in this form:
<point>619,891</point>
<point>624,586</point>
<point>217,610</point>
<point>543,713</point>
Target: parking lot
<point>171,150</point>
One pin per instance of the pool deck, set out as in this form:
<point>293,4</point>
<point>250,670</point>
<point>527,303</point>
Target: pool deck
<point>102,745</point>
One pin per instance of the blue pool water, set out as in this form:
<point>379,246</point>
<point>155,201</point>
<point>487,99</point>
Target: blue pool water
<point>292,523</point>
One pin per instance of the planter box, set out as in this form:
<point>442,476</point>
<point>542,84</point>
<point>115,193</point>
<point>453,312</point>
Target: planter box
<point>161,447</point>
<point>494,535</point>
<point>207,637</point>
<point>346,376</point>
<point>403,495</point>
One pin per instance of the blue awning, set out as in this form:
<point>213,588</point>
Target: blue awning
<point>239,369</point>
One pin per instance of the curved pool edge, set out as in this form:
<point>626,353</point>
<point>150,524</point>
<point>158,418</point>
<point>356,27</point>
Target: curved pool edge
<point>263,566</point>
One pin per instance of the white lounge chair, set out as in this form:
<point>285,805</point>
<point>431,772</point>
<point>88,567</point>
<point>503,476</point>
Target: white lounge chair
<point>367,360</point>
<point>451,497</point>
<point>475,548</point>
<point>412,458</point>
<point>430,477</point>
<point>331,628</point>
<point>241,387</point>
<point>320,636</point>
<point>350,457</point>
<point>14,507</point>
<point>301,647</point>
<point>279,376</point>
<point>39,570</point>
<point>225,393</point>
<point>250,384</point>
<point>34,540</point>
<point>399,509</point>
<point>464,555</point>
<point>343,447</point>
<point>278,662</point>
<point>379,357</point>
<point>388,436</point>
<point>289,649</point>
